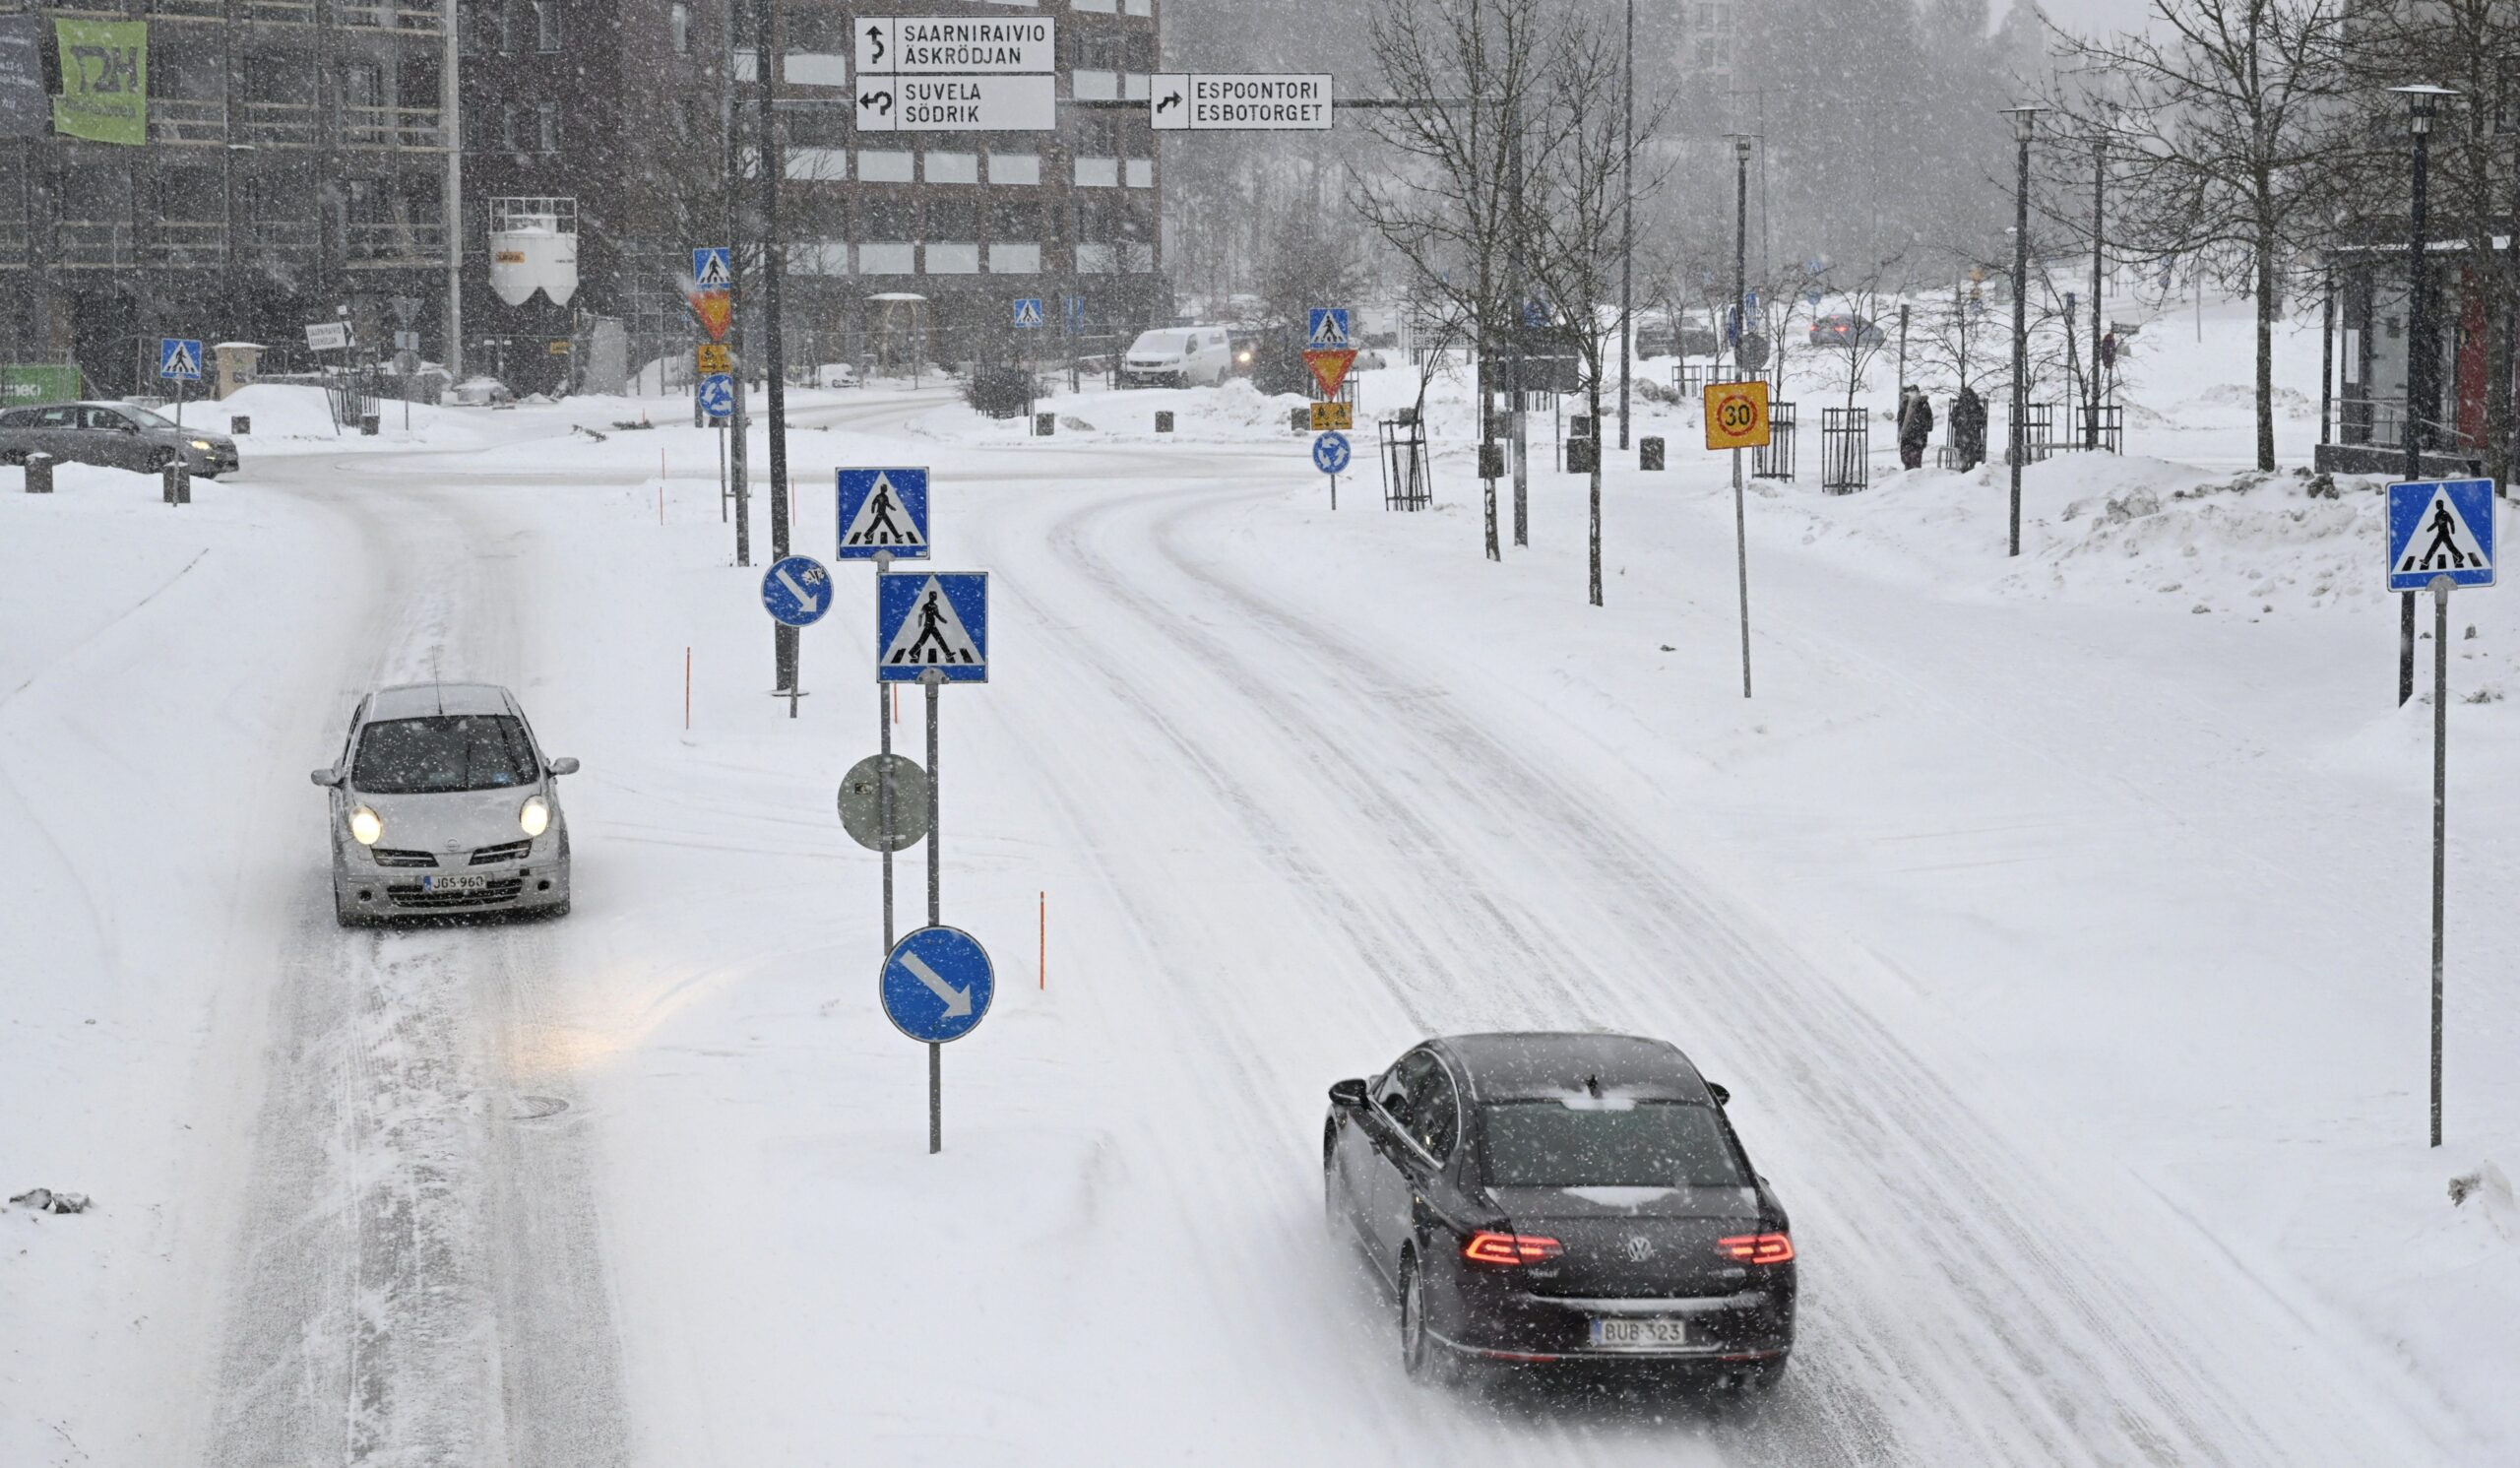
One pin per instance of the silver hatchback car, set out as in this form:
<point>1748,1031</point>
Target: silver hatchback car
<point>442,802</point>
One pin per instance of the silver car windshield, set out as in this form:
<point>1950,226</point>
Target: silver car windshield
<point>442,754</point>
<point>1588,1143</point>
<point>145,418</point>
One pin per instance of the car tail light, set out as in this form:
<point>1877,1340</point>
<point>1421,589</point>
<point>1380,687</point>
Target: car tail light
<point>1758,1249</point>
<point>1510,1249</point>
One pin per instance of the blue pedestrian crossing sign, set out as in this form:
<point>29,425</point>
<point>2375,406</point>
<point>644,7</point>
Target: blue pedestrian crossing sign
<point>1330,453</point>
<point>1535,313</point>
<point>2440,528</point>
<point>937,985</point>
<point>1329,330</point>
<point>713,269</point>
<point>883,510</point>
<point>718,395</point>
<point>1028,313</point>
<point>179,359</point>
<point>796,591</point>
<point>932,620</point>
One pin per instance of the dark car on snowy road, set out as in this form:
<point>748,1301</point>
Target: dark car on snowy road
<point>1542,1200</point>
<point>116,435</point>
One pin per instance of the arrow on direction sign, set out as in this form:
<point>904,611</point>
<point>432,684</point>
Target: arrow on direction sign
<point>804,598</point>
<point>957,1001</point>
<point>1170,100</point>
<point>881,101</point>
<point>875,39</point>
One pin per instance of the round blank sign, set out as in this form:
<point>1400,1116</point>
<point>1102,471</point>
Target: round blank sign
<point>861,803</point>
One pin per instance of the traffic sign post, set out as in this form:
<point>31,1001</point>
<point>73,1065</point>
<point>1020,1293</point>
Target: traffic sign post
<point>717,399</point>
<point>955,74</point>
<point>1330,418</point>
<point>719,393</point>
<point>1328,330</point>
<point>936,987</point>
<point>883,514</point>
<point>1736,418</point>
<point>933,622</point>
<point>883,803</point>
<point>1329,455</point>
<point>2442,534</point>
<point>1028,313</point>
<point>179,361</point>
<point>796,591</point>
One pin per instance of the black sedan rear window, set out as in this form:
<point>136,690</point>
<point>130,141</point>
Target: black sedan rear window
<point>443,753</point>
<point>1584,1142</point>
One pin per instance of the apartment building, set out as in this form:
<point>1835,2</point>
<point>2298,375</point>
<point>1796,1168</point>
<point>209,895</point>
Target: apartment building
<point>284,159</point>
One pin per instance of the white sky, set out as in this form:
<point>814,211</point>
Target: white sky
<point>2092,14</point>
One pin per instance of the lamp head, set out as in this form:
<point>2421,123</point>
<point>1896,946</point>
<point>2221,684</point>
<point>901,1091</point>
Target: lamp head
<point>2025,121</point>
<point>2423,101</point>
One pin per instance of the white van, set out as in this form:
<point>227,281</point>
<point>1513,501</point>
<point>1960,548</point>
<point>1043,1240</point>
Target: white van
<point>1177,357</point>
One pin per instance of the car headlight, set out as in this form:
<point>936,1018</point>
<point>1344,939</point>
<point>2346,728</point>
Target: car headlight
<point>202,444</point>
<point>366,827</point>
<point>535,816</point>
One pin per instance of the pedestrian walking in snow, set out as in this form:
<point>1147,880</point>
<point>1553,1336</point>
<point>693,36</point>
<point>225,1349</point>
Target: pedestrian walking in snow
<point>1968,429</point>
<point>1915,426</point>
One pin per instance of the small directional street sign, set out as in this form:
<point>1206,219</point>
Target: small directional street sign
<point>861,803</point>
<point>1329,330</point>
<point>1737,414</point>
<point>2440,528</point>
<point>937,985</point>
<point>947,45</point>
<point>713,269</point>
<point>1333,418</point>
<point>328,336</point>
<point>1330,453</point>
<point>1259,101</point>
<point>1330,368</point>
<point>797,590</point>
<point>883,510</point>
<point>932,620</point>
<point>179,359</point>
<point>718,395</point>
<point>715,359</point>
<point>957,104</point>
<point>1028,313</point>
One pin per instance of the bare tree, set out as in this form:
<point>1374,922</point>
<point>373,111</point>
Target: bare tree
<point>2222,111</point>
<point>1850,355</point>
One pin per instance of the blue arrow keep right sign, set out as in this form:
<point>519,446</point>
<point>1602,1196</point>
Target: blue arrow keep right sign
<point>937,985</point>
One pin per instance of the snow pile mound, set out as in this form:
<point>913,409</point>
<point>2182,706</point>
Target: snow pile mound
<point>45,1200</point>
<point>279,410</point>
<point>2249,542</point>
<point>2489,1193</point>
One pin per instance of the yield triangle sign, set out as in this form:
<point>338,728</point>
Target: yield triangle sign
<point>883,521</point>
<point>2441,529</point>
<point>932,635</point>
<point>716,310</point>
<point>1330,368</point>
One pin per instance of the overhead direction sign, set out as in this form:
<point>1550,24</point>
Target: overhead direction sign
<point>1737,414</point>
<point>883,511</point>
<point>1028,313</point>
<point>797,590</point>
<point>1328,417</point>
<point>932,620</point>
<point>1260,101</point>
<point>1330,368</point>
<point>713,268</point>
<point>1328,330</point>
<point>957,104</point>
<point>1330,453</point>
<point>2441,528</point>
<point>950,46</point>
<point>179,359</point>
<point>718,395</point>
<point>937,985</point>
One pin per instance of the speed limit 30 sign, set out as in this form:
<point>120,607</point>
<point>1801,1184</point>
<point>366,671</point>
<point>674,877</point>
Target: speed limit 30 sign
<point>1737,414</point>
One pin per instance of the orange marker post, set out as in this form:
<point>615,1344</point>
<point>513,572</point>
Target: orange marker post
<point>1044,941</point>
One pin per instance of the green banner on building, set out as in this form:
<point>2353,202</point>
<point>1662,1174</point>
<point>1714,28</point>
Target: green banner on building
<point>105,81</point>
<point>23,382</point>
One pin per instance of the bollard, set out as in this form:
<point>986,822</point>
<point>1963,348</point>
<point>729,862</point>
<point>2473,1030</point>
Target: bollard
<point>1163,422</point>
<point>367,426</point>
<point>1300,419</point>
<point>239,425</point>
<point>1044,424</point>
<point>1649,455</point>
<point>39,473</point>
<point>1583,454</point>
<point>175,483</point>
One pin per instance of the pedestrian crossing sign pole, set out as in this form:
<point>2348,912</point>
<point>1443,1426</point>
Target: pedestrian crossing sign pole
<point>2442,536</point>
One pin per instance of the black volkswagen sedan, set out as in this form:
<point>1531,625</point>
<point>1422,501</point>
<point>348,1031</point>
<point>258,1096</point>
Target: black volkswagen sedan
<point>1544,1199</point>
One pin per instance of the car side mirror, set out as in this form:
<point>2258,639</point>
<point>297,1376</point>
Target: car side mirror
<point>1347,1095</point>
<point>327,777</point>
<point>564,766</point>
<point>1723,1095</point>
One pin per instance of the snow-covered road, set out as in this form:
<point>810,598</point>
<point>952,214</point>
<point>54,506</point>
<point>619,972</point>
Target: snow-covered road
<point>648,1185</point>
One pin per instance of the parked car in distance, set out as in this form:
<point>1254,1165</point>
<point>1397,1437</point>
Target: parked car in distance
<point>1843,329</point>
<point>442,802</point>
<point>836,374</point>
<point>1178,356</point>
<point>480,392</point>
<point>116,435</point>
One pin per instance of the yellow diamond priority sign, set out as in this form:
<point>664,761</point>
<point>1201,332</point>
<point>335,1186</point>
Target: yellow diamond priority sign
<point>1737,414</point>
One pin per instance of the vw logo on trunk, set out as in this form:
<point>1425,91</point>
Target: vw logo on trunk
<point>1639,1247</point>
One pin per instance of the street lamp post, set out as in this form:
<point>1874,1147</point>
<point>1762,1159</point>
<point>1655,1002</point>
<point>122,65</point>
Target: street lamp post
<point>2099,197</point>
<point>2422,100</point>
<point>2025,126</point>
<point>1627,238</point>
<point>1740,326</point>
